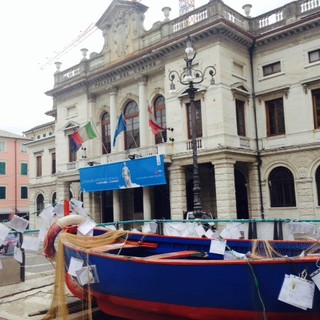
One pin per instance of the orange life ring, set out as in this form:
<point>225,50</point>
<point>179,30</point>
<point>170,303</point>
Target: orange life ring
<point>62,223</point>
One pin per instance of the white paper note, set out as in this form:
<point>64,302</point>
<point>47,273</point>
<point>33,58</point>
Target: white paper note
<point>86,226</point>
<point>31,243</point>
<point>87,275</point>
<point>42,233</point>
<point>218,246</point>
<point>18,254</point>
<point>18,224</point>
<point>75,265</point>
<point>47,213</point>
<point>297,291</point>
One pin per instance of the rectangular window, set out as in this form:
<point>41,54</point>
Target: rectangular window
<point>2,146</point>
<point>2,192</point>
<point>39,166</point>
<point>24,149</point>
<point>2,168</point>
<point>24,193</point>
<point>53,163</point>
<point>24,169</point>
<point>275,117</point>
<point>240,114</point>
<point>271,69</point>
<point>316,107</point>
<point>314,56</point>
<point>196,112</point>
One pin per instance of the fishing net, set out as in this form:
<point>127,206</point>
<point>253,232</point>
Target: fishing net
<point>262,249</point>
<point>59,306</point>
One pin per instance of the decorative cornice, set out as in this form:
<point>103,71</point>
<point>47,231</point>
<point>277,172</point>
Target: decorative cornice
<point>269,94</point>
<point>313,83</point>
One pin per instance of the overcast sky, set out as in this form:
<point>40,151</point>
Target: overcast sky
<point>35,31</point>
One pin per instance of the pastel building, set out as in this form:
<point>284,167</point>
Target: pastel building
<point>14,178</point>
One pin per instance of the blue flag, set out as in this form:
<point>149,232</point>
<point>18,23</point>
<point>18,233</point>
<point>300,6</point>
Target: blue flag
<point>121,126</point>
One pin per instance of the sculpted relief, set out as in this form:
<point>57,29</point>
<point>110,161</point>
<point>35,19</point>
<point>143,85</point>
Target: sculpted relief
<point>120,31</point>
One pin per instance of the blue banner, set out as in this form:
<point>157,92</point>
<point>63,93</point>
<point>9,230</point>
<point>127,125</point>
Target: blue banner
<point>141,172</point>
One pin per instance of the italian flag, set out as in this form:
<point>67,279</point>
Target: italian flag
<point>83,134</point>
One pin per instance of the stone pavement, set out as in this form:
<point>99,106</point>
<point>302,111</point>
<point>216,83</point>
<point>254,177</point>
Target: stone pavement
<point>27,300</point>
<point>31,299</point>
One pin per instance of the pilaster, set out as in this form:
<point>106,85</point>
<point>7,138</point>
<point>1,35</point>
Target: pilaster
<point>178,198</point>
<point>225,189</point>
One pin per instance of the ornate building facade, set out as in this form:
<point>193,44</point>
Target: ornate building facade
<point>257,129</point>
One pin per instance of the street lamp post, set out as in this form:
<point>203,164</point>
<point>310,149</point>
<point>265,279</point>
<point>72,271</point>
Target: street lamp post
<point>189,77</point>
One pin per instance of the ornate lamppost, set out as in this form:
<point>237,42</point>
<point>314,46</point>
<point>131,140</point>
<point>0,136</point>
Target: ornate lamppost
<point>189,77</point>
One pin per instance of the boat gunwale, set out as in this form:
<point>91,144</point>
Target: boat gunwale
<point>187,262</point>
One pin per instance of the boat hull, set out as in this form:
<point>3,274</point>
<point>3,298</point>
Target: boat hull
<point>136,287</point>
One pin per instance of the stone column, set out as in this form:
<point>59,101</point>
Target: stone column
<point>255,207</point>
<point>143,111</point>
<point>95,200</point>
<point>305,197</point>
<point>225,189</point>
<point>114,117</point>
<point>86,202</point>
<point>178,197</point>
<point>116,205</point>
<point>63,191</point>
<point>147,215</point>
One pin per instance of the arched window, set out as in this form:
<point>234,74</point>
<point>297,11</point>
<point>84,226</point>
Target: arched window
<point>131,115</point>
<point>160,116</point>
<point>54,199</point>
<point>281,186</point>
<point>318,184</point>
<point>105,133</point>
<point>40,203</point>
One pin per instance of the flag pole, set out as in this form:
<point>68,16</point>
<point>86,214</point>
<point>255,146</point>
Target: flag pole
<point>99,136</point>
<point>130,132</point>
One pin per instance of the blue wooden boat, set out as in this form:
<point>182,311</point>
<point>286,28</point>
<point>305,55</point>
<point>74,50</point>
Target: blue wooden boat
<point>147,276</point>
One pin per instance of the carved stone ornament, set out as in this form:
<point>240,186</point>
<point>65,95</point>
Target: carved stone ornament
<point>120,31</point>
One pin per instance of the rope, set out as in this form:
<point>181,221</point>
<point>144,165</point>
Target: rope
<point>256,282</point>
<point>58,308</point>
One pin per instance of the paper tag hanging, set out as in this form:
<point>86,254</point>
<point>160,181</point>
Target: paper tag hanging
<point>31,243</point>
<point>85,227</point>
<point>17,223</point>
<point>297,291</point>
<point>87,275</point>
<point>18,254</point>
<point>315,276</point>
<point>218,246</point>
<point>75,265</point>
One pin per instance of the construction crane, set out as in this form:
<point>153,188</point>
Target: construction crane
<point>186,6</point>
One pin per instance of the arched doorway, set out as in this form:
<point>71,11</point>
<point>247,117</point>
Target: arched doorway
<point>241,194</point>
<point>40,203</point>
